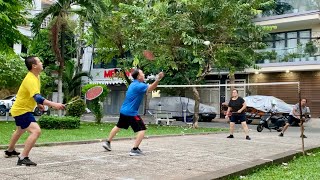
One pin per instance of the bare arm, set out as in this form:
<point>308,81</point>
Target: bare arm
<point>244,106</point>
<point>154,85</point>
<point>53,104</point>
<point>227,113</point>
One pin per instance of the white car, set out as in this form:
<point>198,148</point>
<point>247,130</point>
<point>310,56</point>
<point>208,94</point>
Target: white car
<point>7,102</point>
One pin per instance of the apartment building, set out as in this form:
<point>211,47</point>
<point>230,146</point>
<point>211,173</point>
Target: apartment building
<point>294,56</point>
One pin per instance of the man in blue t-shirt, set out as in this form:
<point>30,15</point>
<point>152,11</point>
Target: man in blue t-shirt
<point>129,110</point>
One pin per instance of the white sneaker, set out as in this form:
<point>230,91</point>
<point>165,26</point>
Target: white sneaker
<point>106,146</point>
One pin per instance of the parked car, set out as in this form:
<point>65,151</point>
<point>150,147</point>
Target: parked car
<point>176,105</point>
<point>8,101</point>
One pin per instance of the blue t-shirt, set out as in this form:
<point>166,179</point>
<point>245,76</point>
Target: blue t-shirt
<point>133,99</point>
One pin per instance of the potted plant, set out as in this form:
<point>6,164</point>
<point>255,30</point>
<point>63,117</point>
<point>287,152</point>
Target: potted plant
<point>310,49</point>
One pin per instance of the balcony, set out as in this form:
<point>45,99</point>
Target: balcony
<point>301,57</point>
<point>291,14</point>
<point>284,7</point>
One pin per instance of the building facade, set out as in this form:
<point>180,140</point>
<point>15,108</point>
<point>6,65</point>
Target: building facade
<point>295,56</point>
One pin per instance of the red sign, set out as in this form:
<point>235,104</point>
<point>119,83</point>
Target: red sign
<point>112,72</point>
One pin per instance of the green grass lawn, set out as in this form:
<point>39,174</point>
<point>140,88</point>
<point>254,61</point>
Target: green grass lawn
<point>90,131</point>
<point>304,167</point>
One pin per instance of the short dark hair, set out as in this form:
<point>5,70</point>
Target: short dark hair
<point>235,90</point>
<point>29,61</point>
<point>135,73</point>
<point>304,99</point>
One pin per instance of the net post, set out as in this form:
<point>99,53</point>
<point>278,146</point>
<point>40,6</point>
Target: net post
<point>301,120</point>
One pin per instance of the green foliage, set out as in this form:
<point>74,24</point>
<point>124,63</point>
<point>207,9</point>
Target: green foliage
<point>72,80</point>
<point>178,41</point>
<point>54,122</point>
<point>41,46</point>
<point>291,56</point>
<point>12,71</point>
<point>77,108</point>
<point>12,14</point>
<point>310,48</point>
<point>95,104</point>
<point>303,167</point>
<point>60,11</point>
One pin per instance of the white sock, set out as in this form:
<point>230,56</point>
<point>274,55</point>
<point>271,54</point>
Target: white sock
<point>21,157</point>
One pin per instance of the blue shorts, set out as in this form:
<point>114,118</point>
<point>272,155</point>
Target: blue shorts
<point>24,120</point>
<point>235,117</point>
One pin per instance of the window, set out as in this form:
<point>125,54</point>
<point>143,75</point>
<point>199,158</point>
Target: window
<point>103,65</point>
<point>289,39</point>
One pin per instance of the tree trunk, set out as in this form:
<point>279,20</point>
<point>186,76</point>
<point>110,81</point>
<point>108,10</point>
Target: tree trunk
<point>60,91</point>
<point>61,67</point>
<point>232,81</point>
<point>196,107</point>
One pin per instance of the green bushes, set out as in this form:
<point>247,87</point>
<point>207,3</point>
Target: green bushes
<point>55,122</point>
<point>95,104</point>
<point>77,108</point>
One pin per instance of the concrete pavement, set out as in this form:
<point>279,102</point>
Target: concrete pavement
<point>209,156</point>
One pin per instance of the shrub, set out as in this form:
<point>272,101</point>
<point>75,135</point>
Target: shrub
<point>77,108</point>
<point>95,104</point>
<point>55,122</point>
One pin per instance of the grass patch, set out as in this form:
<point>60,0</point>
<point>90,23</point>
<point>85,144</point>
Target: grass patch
<point>303,167</point>
<point>90,131</point>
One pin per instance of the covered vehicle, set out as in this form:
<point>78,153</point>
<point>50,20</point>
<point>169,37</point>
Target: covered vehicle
<point>264,103</point>
<point>176,105</point>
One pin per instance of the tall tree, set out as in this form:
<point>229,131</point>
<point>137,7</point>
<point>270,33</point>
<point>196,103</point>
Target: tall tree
<point>12,14</point>
<point>72,80</point>
<point>190,38</point>
<point>59,12</point>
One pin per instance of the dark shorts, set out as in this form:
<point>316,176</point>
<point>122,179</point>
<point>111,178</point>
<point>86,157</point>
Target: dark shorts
<point>235,117</point>
<point>292,120</point>
<point>135,122</point>
<point>24,120</point>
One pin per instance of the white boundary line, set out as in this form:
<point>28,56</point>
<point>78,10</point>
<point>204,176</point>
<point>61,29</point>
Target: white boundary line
<point>227,85</point>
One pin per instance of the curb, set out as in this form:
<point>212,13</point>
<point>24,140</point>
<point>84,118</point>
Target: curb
<point>101,140</point>
<point>246,168</point>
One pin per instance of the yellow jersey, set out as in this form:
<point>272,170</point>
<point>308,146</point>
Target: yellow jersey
<point>25,102</point>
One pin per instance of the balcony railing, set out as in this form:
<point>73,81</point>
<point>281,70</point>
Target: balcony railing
<point>291,6</point>
<point>306,52</point>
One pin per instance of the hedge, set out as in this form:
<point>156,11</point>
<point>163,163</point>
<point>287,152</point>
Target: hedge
<point>55,122</point>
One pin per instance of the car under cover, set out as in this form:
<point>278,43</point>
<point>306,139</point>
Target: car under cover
<point>175,105</point>
<point>264,103</point>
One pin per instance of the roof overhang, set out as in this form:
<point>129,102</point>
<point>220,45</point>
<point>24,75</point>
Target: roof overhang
<point>291,21</point>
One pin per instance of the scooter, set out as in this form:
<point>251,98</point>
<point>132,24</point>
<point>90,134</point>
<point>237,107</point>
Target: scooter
<point>270,121</point>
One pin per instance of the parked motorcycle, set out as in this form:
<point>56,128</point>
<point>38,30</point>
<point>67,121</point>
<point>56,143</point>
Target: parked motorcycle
<point>271,121</point>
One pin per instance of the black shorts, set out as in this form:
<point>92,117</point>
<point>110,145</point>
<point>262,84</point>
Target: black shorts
<point>292,120</point>
<point>24,120</point>
<point>135,122</point>
<point>235,117</point>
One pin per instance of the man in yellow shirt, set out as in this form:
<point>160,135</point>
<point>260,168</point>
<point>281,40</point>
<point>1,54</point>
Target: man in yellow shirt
<point>28,97</point>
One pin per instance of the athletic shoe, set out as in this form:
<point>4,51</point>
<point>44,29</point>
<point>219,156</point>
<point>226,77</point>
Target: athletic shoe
<point>248,138</point>
<point>304,136</point>
<point>106,145</point>
<point>230,136</point>
<point>281,134</point>
<point>13,153</point>
<point>25,161</point>
<point>137,152</point>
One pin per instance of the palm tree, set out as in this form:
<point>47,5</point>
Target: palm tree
<point>59,12</point>
<point>72,80</point>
